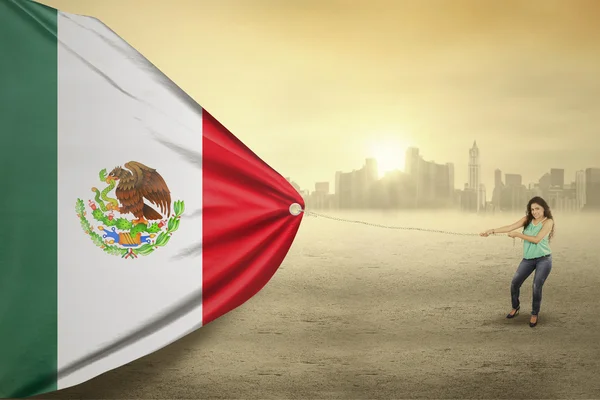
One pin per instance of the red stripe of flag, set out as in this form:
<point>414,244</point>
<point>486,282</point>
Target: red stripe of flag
<point>247,225</point>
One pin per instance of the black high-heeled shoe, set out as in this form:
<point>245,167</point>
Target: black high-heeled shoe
<point>533,324</point>
<point>509,315</point>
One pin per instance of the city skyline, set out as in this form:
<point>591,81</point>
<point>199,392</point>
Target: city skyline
<point>459,183</point>
<point>530,173</point>
<point>426,185</point>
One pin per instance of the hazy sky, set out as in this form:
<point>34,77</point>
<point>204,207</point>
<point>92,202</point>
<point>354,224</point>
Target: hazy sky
<point>312,86</point>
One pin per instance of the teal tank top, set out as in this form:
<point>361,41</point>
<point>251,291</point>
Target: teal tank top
<point>535,250</point>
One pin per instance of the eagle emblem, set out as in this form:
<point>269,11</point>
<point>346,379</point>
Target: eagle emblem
<point>129,226</point>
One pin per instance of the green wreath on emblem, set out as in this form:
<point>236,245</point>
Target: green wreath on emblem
<point>121,236</point>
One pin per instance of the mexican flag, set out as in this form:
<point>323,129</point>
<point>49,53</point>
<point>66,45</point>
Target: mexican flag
<point>130,215</point>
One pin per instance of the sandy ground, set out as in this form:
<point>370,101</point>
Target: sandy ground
<point>363,312</point>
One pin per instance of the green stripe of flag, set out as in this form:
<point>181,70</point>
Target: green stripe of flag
<point>28,203</point>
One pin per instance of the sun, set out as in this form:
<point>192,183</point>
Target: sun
<point>389,154</point>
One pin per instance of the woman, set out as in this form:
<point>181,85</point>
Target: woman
<point>539,229</point>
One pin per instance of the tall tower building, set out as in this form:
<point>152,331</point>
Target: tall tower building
<point>450,167</point>
<point>557,177</point>
<point>474,172</point>
<point>497,178</point>
<point>592,188</point>
<point>580,193</point>
<point>372,170</point>
<point>338,189</point>
<point>411,167</point>
<point>411,161</point>
<point>498,188</point>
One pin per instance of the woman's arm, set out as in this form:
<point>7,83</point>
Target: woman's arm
<point>546,228</point>
<point>507,228</point>
<point>511,227</point>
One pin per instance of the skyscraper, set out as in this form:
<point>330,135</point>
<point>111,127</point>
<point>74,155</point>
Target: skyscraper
<point>411,167</point>
<point>497,178</point>
<point>580,193</point>
<point>513,179</point>
<point>372,170</point>
<point>592,188</point>
<point>411,161</point>
<point>557,177</point>
<point>474,172</point>
<point>450,178</point>
<point>498,187</point>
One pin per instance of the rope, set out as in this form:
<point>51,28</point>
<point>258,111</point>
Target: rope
<point>312,213</point>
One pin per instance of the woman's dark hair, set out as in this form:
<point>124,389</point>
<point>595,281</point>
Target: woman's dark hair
<point>547,213</point>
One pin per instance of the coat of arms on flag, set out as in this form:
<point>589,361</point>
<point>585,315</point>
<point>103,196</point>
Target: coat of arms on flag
<point>119,234</point>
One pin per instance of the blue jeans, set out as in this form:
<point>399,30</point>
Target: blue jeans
<point>542,267</point>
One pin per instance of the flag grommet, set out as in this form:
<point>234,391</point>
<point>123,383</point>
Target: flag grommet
<point>295,209</point>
